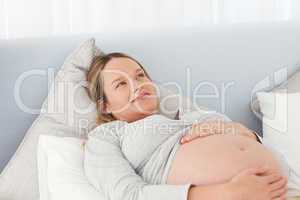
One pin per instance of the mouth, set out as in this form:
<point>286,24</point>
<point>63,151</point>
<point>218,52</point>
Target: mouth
<point>142,95</point>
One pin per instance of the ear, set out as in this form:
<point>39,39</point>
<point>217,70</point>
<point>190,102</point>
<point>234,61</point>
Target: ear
<point>104,106</point>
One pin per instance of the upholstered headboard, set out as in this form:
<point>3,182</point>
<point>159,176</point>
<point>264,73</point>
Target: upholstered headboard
<point>223,64</point>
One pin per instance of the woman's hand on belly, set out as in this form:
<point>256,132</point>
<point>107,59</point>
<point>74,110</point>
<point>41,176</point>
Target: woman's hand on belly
<point>253,183</point>
<point>204,129</point>
<point>258,183</point>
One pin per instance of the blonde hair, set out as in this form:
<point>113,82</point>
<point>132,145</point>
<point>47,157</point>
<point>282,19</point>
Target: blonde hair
<point>95,83</point>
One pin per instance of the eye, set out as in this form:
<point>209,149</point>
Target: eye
<point>121,83</point>
<point>141,74</point>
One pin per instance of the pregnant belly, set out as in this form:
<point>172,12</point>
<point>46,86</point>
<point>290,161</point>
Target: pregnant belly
<point>217,158</point>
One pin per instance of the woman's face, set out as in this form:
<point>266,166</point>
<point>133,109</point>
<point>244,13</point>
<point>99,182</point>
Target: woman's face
<point>131,95</point>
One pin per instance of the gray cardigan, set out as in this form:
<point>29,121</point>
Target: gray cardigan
<point>116,165</point>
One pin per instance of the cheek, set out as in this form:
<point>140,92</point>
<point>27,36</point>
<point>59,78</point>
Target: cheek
<point>153,90</point>
<point>120,98</point>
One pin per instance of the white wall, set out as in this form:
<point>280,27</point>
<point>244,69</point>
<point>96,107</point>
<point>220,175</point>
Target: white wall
<point>19,18</point>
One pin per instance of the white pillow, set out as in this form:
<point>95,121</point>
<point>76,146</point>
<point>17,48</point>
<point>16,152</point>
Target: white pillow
<point>278,108</point>
<point>281,128</point>
<point>292,85</point>
<point>61,173</point>
<point>281,122</point>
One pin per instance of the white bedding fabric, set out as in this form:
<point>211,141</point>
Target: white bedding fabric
<point>279,110</point>
<point>281,130</point>
<point>61,174</point>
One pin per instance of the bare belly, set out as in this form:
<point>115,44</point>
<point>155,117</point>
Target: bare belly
<point>217,158</point>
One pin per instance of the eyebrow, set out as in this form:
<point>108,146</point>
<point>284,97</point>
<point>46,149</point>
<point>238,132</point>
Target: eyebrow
<point>116,80</point>
<point>120,78</point>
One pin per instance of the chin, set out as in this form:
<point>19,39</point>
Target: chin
<point>147,107</point>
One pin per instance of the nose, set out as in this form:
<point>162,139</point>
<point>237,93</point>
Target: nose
<point>136,86</point>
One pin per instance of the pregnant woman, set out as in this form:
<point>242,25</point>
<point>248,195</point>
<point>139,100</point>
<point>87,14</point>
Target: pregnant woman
<point>216,159</point>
